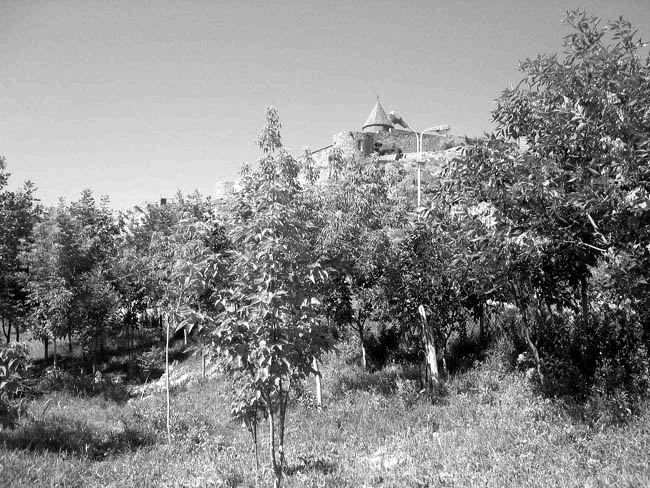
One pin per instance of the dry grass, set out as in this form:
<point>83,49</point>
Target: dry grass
<point>376,430</point>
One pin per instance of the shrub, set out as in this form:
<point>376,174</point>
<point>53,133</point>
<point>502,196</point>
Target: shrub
<point>152,362</point>
<point>13,364</point>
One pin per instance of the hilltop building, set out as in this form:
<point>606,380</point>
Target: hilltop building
<point>380,138</point>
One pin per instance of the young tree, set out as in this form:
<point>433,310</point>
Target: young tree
<point>49,293</point>
<point>358,215</point>
<point>269,329</point>
<point>18,214</point>
<point>68,262</point>
<point>422,293</point>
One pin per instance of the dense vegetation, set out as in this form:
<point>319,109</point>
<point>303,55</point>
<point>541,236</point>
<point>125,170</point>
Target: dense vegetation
<point>519,287</point>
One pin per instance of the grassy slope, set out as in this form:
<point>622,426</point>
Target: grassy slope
<point>491,430</point>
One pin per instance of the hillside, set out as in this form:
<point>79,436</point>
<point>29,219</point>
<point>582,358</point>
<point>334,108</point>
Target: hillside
<point>376,429</point>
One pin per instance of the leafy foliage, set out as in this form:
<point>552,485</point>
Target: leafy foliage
<point>557,199</point>
<point>13,364</point>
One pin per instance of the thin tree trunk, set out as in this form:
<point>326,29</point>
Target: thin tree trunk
<point>55,364</point>
<point>429,349</point>
<point>360,321</point>
<point>46,346</point>
<point>184,336</point>
<point>95,356</point>
<point>284,399</point>
<point>130,347</point>
<point>533,347</point>
<point>6,331</point>
<point>430,354</point>
<point>169,434</point>
<point>69,343</point>
<point>481,325</point>
<point>319,390</point>
<point>252,428</point>
<point>162,329</point>
<point>584,295</point>
<point>362,340</point>
<point>17,333</point>
<point>277,474</point>
<point>203,359</point>
<point>521,305</point>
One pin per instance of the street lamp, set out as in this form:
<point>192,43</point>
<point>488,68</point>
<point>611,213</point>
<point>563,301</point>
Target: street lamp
<point>397,120</point>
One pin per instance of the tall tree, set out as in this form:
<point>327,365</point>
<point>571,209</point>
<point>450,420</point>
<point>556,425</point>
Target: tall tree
<point>268,327</point>
<point>19,212</point>
<point>565,178</point>
<point>358,215</point>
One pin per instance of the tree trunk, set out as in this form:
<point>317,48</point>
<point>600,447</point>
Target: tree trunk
<point>429,349</point>
<point>95,356</point>
<point>70,339</point>
<point>319,390</point>
<point>184,336</point>
<point>430,354</point>
<point>203,360</point>
<point>522,306</point>
<point>284,400</point>
<point>162,329</point>
<point>6,331</point>
<point>584,295</point>
<point>130,347</point>
<point>54,363</point>
<point>18,333</point>
<point>532,346</point>
<point>364,361</point>
<point>360,321</point>
<point>46,346</point>
<point>169,433</point>
<point>251,425</point>
<point>481,325</point>
<point>277,472</point>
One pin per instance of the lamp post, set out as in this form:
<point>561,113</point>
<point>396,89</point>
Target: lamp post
<point>396,119</point>
<point>436,128</point>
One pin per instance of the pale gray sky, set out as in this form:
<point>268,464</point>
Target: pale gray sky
<point>136,99</point>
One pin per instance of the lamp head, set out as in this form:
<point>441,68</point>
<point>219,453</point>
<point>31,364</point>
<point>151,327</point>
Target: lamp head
<point>397,120</point>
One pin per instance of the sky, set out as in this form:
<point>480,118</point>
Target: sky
<point>137,99</point>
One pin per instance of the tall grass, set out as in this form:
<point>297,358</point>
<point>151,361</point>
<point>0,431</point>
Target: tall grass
<point>375,429</point>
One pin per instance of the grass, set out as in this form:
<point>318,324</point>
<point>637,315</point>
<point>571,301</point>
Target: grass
<point>376,429</point>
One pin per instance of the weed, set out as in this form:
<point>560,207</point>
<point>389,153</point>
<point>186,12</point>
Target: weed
<point>376,429</point>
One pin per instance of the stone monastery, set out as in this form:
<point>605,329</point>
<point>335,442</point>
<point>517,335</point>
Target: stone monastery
<point>379,137</point>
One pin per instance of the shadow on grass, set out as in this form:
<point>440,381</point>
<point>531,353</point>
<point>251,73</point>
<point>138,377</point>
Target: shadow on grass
<point>74,376</point>
<point>78,384</point>
<point>76,438</point>
<point>386,382</point>
<point>311,465</point>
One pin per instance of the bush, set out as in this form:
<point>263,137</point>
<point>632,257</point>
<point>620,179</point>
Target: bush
<point>152,362</point>
<point>13,364</point>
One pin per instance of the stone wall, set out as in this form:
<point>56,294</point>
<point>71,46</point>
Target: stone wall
<point>355,144</point>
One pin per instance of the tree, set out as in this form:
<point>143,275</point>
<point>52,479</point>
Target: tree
<point>421,293</point>
<point>68,263</point>
<point>268,328</point>
<point>358,215</point>
<point>565,179</point>
<point>18,214</point>
<point>49,293</point>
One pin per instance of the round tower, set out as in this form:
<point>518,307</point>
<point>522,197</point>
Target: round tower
<point>377,121</point>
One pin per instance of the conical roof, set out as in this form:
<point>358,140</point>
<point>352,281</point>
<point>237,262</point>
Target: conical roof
<point>377,120</point>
